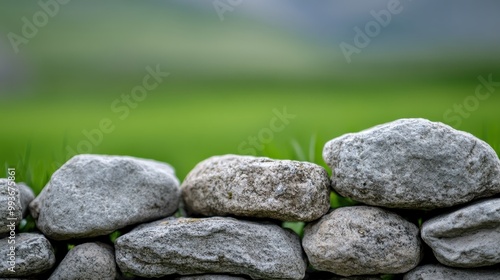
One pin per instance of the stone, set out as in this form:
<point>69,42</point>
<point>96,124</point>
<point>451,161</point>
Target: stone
<point>94,195</point>
<point>217,245</point>
<point>257,187</point>
<point>468,237</point>
<point>26,195</point>
<point>211,277</point>
<point>329,276</point>
<point>92,260</point>
<point>11,212</point>
<point>313,274</point>
<point>362,240</point>
<point>413,164</point>
<point>355,278</point>
<point>439,272</point>
<point>34,255</point>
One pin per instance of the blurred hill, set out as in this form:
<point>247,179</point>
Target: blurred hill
<point>102,43</point>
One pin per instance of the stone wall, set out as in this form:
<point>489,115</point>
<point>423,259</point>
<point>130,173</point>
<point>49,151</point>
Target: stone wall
<point>427,207</point>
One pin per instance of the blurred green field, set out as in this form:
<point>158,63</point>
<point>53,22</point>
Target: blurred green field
<point>229,77</point>
<point>183,123</point>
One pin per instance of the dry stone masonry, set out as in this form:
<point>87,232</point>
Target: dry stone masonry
<point>247,186</point>
<point>447,273</point>
<point>211,277</point>
<point>26,196</point>
<point>211,245</point>
<point>12,211</point>
<point>362,240</point>
<point>427,207</point>
<point>468,237</point>
<point>96,259</point>
<point>34,255</point>
<point>412,164</point>
<point>95,195</point>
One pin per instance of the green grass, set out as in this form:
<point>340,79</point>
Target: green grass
<point>183,124</point>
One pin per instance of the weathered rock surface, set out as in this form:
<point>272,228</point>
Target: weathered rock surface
<point>11,212</point>
<point>33,255</point>
<point>468,237</point>
<point>94,195</point>
<point>257,187</point>
<point>87,261</point>
<point>26,195</point>
<point>355,278</point>
<point>362,240</point>
<point>212,245</point>
<point>439,272</point>
<point>211,277</point>
<point>318,276</point>
<point>412,163</point>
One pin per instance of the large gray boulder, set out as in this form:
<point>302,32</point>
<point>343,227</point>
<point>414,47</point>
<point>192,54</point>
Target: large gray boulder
<point>11,211</point>
<point>87,261</point>
<point>362,240</point>
<point>211,245</point>
<point>33,255</point>
<point>412,163</point>
<point>439,272</point>
<point>257,187</point>
<point>468,237</point>
<point>93,195</point>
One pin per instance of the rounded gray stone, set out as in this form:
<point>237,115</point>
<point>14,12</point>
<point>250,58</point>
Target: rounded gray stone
<point>93,195</point>
<point>34,255</point>
<point>468,237</point>
<point>362,240</point>
<point>319,277</point>
<point>414,164</point>
<point>211,277</point>
<point>215,245</point>
<point>87,261</point>
<point>11,212</point>
<point>439,272</point>
<point>355,278</point>
<point>26,195</point>
<point>257,187</point>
